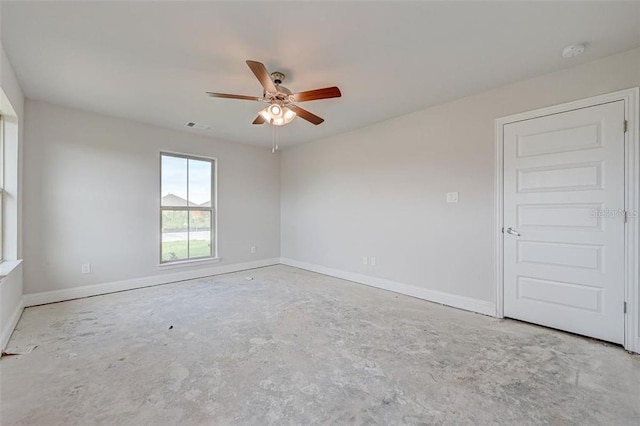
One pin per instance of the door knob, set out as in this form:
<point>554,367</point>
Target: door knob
<point>513,232</point>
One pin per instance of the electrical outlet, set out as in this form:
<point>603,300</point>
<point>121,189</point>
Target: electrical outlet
<point>452,197</point>
<point>253,249</point>
<point>86,268</point>
<point>372,261</point>
<point>365,260</point>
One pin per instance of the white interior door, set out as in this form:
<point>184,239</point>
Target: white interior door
<point>564,196</point>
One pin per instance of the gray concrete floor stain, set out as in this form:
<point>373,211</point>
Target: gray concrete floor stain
<point>294,348</point>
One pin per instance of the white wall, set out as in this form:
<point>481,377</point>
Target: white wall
<point>11,274</point>
<point>380,191</point>
<point>92,196</point>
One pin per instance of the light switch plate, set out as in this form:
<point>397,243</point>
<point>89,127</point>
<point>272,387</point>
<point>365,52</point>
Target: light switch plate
<point>452,197</point>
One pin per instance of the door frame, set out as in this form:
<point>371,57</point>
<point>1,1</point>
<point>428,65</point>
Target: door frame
<point>632,197</point>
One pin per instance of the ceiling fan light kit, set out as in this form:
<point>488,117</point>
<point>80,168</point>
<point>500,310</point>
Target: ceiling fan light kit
<point>282,108</point>
<point>277,115</point>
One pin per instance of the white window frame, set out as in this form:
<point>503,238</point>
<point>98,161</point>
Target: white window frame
<point>212,209</point>
<point>2,167</point>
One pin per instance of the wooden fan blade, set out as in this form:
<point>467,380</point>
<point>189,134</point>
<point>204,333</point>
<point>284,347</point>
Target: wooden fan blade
<point>303,113</point>
<point>312,95</point>
<point>263,76</point>
<point>227,96</point>
<point>259,120</point>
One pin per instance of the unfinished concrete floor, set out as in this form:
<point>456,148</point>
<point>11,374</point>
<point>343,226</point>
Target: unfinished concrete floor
<point>294,347</point>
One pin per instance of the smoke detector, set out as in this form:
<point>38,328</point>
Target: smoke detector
<point>573,50</point>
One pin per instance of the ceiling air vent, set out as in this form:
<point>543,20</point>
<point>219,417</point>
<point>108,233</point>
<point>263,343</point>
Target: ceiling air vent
<point>198,126</point>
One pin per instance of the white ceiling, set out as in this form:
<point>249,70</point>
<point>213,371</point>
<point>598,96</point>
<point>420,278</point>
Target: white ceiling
<point>153,61</point>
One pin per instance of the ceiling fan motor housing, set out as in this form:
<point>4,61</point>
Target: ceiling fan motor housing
<point>283,93</point>
<point>277,77</point>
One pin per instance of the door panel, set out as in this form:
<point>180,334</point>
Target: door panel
<point>585,256</point>
<point>560,293</point>
<point>582,136</point>
<point>565,177</point>
<point>564,195</point>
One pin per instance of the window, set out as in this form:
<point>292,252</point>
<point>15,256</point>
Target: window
<point>187,208</point>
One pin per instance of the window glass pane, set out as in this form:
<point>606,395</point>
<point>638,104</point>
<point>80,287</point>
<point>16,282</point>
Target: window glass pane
<point>175,235</point>
<point>174,181</point>
<point>199,233</point>
<point>199,183</point>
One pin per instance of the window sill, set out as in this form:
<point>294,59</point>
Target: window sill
<point>187,263</point>
<point>7,266</point>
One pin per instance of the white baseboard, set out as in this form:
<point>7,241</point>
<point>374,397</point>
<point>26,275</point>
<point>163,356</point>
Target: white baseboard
<point>11,325</point>
<point>42,298</point>
<point>461,302</point>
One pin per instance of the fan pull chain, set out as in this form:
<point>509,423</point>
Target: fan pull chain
<point>274,146</point>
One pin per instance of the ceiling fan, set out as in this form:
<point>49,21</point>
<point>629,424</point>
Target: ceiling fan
<point>282,106</point>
